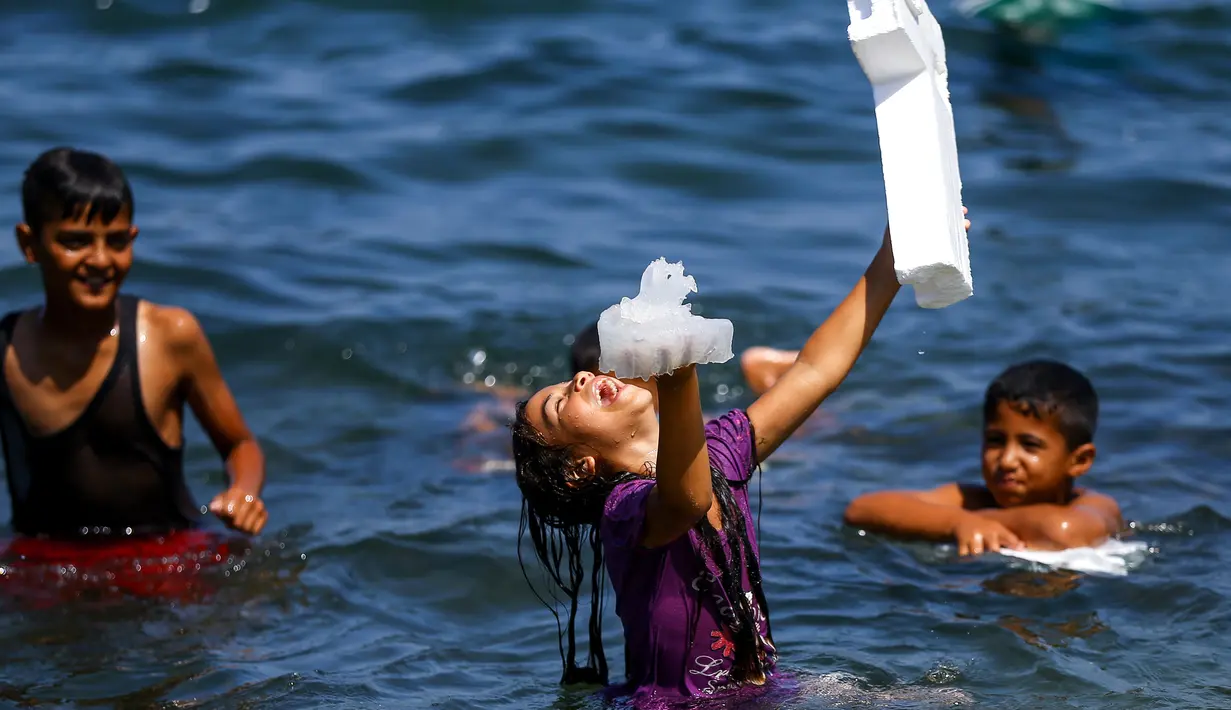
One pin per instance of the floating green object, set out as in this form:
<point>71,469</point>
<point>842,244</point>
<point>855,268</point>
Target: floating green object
<point>1037,13</point>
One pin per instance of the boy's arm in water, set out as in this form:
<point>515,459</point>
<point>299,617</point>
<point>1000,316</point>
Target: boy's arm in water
<point>943,514</point>
<point>684,492</point>
<point>827,357</point>
<point>1089,519</point>
<point>969,516</point>
<point>212,403</point>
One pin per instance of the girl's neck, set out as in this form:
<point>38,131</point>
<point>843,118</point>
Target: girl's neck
<point>638,458</point>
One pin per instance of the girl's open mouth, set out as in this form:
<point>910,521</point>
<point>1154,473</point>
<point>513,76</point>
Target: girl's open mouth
<point>607,389</point>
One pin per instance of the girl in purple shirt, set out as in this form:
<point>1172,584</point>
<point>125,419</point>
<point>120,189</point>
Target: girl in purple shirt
<point>661,499</point>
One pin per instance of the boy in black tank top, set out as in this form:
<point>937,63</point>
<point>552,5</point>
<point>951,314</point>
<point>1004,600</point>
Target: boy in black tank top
<point>93,383</point>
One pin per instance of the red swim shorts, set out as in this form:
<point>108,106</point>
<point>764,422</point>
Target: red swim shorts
<point>175,566</point>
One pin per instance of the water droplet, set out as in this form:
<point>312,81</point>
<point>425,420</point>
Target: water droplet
<point>347,353</point>
<point>527,380</point>
<point>510,368</point>
<point>197,7</point>
<point>289,344</point>
<point>921,352</point>
<point>103,4</point>
<point>569,339</point>
<point>468,378</point>
<point>490,380</point>
<point>401,348</point>
<point>478,357</point>
<point>723,389</point>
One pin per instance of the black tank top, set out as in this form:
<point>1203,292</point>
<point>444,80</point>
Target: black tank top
<point>107,473</point>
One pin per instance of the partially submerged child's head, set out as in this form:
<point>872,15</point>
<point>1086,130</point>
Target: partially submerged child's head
<point>584,352</point>
<point>1039,419</point>
<point>77,210</point>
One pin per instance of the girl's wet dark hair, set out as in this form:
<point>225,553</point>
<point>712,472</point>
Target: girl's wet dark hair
<point>65,183</point>
<point>561,511</point>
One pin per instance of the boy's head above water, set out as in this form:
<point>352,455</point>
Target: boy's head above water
<point>1039,419</point>
<point>77,209</point>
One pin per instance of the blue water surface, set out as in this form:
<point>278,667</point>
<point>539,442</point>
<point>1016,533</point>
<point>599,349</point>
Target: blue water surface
<point>384,212</point>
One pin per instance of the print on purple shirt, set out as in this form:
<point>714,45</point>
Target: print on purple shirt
<point>670,600</point>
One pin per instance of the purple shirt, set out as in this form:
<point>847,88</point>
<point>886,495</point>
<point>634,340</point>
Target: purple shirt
<point>661,591</point>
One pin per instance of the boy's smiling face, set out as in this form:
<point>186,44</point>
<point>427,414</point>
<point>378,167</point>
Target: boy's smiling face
<point>83,260</point>
<point>1027,460</point>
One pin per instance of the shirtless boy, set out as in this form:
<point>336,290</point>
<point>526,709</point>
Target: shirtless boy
<point>95,382</point>
<point>1039,419</point>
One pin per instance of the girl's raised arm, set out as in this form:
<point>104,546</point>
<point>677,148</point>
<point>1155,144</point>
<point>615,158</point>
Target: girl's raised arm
<point>827,357</point>
<point>683,493</point>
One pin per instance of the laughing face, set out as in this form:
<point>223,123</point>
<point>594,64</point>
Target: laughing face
<point>610,420</point>
<point>83,261</point>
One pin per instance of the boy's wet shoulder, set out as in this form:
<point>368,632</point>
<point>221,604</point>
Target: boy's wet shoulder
<point>1094,499</point>
<point>174,326</point>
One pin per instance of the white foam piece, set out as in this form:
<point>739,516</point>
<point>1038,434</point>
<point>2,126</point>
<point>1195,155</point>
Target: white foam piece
<point>655,332</point>
<point>1114,557</point>
<point>901,49</point>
